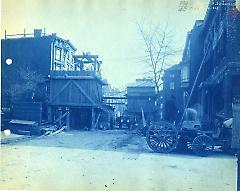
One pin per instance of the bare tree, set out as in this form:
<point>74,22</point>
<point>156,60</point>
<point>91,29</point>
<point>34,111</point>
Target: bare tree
<point>26,83</point>
<point>158,48</point>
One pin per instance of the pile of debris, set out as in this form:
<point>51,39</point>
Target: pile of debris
<point>50,130</point>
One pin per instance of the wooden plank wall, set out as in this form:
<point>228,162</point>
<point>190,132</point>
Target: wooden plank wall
<point>75,92</point>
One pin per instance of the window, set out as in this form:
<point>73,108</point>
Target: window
<point>171,85</point>
<point>69,56</point>
<point>57,67</point>
<point>171,75</point>
<point>184,74</point>
<point>64,55</point>
<point>58,54</point>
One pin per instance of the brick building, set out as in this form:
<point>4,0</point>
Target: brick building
<point>216,75</point>
<point>219,72</point>
<point>210,68</point>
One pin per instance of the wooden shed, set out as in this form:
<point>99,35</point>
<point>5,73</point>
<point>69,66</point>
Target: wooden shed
<point>80,93</point>
<point>141,96</point>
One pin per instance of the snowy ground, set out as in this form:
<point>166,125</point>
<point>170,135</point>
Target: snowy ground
<point>115,160</point>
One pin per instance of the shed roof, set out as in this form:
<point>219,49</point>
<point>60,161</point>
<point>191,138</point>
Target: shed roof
<point>142,83</point>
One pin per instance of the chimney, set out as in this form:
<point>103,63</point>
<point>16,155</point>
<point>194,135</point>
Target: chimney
<point>37,33</point>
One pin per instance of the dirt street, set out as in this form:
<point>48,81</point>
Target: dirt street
<point>114,160</point>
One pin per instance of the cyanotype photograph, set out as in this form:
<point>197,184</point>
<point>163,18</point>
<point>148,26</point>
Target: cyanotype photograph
<point>120,95</point>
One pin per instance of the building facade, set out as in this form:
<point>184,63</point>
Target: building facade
<point>172,93</point>
<point>219,72</point>
<point>141,98</point>
<point>32,60</point>
<point>210,66</point>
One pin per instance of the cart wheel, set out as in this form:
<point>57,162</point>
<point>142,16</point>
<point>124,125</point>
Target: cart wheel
<point>162,137</point>
<point>203,145</point>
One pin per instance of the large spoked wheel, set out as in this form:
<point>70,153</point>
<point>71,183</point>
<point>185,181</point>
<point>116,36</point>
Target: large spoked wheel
<point>203,145</point>
<point>162,137</point>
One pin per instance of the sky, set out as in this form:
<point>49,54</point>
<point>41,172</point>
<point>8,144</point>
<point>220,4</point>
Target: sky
<point>107,28</point>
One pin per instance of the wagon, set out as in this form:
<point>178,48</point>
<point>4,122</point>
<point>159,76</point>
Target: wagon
<point>165,137</point>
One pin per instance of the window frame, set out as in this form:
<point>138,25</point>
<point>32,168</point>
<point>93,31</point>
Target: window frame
<point>172,86</point>
<point>58,57</point>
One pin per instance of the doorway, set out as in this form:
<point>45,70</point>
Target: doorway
<point>80,118</point>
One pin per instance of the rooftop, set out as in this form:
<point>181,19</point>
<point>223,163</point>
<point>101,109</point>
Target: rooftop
<point>142,83</point>
<point>37,34</point>
<point>174,67</point>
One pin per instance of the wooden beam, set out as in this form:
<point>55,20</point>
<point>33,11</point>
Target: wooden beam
<point>76,105</point>
<point>115,103</point>
<point>86,55</point>
<point>90,77</point>
<point>60,117</point>
<point>67,119</point>
<point>114,97</point>
<point>93,118</point>
<point>49,112</point>
<point>58,131</point>
<point>86,61</point>
<point>98,117</point>
<point>26,34</point>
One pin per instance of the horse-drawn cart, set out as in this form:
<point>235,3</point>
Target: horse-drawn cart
<point>165,137</point>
